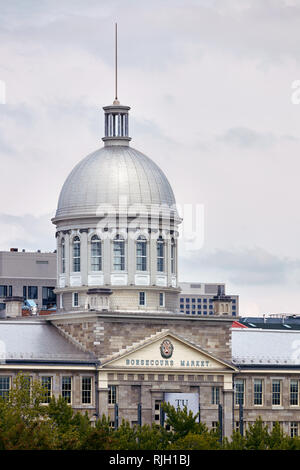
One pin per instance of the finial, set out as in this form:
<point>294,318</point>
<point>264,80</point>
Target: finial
<point>116,101</point>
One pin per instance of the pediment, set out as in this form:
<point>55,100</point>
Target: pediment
<point>166,351</point>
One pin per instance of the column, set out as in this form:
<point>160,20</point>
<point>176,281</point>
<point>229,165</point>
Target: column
<point>131,258</point>
<point>103,393</point>
<point>67,254</point>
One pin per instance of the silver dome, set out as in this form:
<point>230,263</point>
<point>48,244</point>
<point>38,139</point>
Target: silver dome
<point>108,174</point>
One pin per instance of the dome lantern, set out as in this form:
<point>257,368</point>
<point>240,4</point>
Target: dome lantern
<point>116,124</point>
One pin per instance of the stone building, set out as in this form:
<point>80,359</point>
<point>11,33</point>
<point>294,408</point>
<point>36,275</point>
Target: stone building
<point>118,344</point>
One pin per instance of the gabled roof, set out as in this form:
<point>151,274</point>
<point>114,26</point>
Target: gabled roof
<point>150,348</point>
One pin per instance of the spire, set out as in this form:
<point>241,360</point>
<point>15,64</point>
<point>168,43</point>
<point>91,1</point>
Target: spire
<point>116,115</point>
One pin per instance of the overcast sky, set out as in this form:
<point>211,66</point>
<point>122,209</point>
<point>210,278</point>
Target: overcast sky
<point>210,86</point>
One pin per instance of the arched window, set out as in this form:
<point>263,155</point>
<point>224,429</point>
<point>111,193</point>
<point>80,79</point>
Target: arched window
<point>141,253</point>
<point>173,256</point>
<point>96,253</point>
<point>63,256</point>
<point>160,254</point>
<point>76,254</point>
<point>119,253</point>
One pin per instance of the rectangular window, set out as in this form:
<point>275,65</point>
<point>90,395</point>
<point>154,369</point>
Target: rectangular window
<point>215,395</point>
<point>25,292</point>
<point>32,292</point>
<point>4,386</point>
<point>294,392</point>
<point>86,390</point>
<point>276,392</point>
<point>3,291</point>
<point>294,428</point>
<point>142,299</point>
<point>239,391</point>
<point>258,392</point>
<point>160,255</point>
<point>66,388</point>
<point>112,394</point>
<point>47,385</point>
<point>10,291</point>
<point>161,299</point>
<point>75,299</point>
<point>141,254</point>
<point>214,426</point>
<point>119,254</point>
<point>48,297</point>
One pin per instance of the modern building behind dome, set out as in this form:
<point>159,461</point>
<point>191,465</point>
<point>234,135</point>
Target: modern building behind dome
<point>117,228</point>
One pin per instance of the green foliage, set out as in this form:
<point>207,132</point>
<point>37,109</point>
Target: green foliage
<point>26,423</point>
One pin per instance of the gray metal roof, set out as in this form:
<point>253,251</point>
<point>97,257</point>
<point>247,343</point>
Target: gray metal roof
<point>36,340</point>
<point>268,347</point>
<point>108,174</point>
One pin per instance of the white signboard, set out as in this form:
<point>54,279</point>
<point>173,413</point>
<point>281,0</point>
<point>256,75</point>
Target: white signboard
<point>180,400</point>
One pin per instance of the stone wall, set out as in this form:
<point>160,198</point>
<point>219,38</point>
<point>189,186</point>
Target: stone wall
<point>105,335</point>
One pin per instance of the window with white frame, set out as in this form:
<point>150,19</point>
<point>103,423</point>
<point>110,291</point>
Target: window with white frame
<point>160,245</point>
<point>294,429</point>
<point>76,254</point>
<point>75,299</point>
<point>47,386</point>
<point>141,253</point>
<point>294,392</point>
<point>119,253</point>
<point>258,392</point>
<point>86,390</point>
<point>96,253</point>
<point>161,299</point>
<point>215,395</point>
<point>142,299</point>
<point>239,386</point>
<point>112,394</point>
<point>4,386</point>
<point>276,392</point>
<point>66,388</point>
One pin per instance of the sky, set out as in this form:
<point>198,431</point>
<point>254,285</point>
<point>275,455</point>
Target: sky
<point>213,89</point>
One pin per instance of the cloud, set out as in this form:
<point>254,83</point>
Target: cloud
<point>27,232</point>
<point>247,138</point>
<point>250,266</point>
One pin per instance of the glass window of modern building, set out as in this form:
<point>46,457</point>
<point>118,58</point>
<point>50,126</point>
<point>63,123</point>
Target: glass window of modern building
<point>32,292</point>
